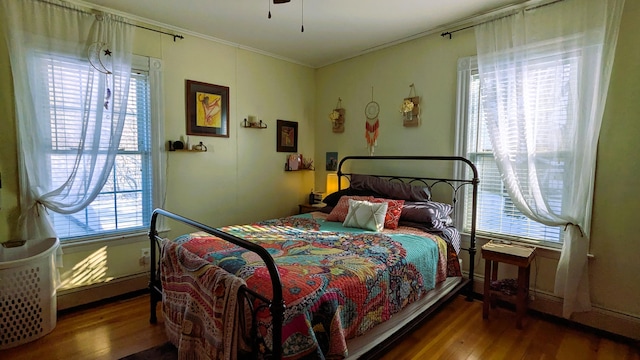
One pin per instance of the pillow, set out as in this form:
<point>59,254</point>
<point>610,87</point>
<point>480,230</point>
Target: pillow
<point>390,189</point>
<point>431,213</point>
<point>333,198</point>
<point>394,209</point>
<point>366,215</point>
<point>339,212</point>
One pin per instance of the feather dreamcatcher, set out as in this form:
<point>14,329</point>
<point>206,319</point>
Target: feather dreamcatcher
<point>372,124</point>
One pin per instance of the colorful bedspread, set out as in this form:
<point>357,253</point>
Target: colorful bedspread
<point>201,306</point>
<point>337,285</point>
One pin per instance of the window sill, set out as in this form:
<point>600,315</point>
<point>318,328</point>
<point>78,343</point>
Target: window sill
<point>90,244</point>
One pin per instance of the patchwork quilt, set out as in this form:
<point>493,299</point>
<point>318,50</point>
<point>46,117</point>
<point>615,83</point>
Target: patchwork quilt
<point>336,284</point>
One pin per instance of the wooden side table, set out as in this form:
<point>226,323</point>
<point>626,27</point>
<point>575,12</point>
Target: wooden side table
<point>520,256</point>
<point>306,208</point>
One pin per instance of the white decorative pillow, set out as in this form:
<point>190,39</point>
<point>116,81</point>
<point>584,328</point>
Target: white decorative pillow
<point>366,215</point>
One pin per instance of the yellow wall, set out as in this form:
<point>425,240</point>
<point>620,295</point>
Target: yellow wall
<point>614,272</point>
<point>430,63</point>
<point>240,179</point>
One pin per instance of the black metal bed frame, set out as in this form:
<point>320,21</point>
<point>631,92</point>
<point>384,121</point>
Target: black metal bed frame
<point>276,304</point>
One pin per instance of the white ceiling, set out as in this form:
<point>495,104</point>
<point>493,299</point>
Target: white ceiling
<point>334,30</point>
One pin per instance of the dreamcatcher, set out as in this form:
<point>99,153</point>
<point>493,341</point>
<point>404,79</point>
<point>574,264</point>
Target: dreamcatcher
<point>99,56</point>
<point>371,111</point>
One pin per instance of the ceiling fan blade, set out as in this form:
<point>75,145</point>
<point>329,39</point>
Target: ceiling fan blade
<point>281,1</point>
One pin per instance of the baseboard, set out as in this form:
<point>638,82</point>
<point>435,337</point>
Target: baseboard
<point>93,293</point>
<point>599,318</point>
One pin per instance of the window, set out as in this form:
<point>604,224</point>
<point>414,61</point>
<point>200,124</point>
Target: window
<point>497,217</point>
<point>125,202</point>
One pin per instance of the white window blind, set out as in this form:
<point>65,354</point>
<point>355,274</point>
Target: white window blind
<point>125,202</point>
<point>547,79</point>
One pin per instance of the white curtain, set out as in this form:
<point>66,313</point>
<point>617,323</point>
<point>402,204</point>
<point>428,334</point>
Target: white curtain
<point>42,33</point>
<point>544,76</point>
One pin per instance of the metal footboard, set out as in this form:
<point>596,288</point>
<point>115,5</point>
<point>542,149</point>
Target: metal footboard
<point>275,304</point>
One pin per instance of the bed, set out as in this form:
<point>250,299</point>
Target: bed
<point>343,282</point>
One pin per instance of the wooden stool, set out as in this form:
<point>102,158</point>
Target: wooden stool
<point>520,256</point>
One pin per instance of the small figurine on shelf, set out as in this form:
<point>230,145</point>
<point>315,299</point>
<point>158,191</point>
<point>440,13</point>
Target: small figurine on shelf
<point>307,164</point>
<point>200,147</point>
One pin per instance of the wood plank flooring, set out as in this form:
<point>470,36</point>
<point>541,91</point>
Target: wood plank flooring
<point>119,328</point>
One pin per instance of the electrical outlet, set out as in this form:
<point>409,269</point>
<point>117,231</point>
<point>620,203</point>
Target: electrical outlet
<point>145,257</point>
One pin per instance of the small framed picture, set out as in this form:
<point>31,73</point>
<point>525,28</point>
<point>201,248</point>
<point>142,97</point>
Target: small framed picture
<point>287,132</point>
<point>332,161</point>
<point>207,109</point>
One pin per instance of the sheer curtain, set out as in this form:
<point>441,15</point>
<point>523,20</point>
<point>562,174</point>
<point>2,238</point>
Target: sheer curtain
<point>544,76</point>
<point>39,34</point>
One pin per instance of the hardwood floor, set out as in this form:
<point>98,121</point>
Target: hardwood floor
<point>116,329</point>
<point>458,331</point>
<point>106,331</point>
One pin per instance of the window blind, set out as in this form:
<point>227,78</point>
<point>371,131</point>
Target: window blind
<point>125,203</point>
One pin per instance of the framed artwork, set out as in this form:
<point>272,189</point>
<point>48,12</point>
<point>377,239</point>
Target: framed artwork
<point>332,161</point>
<point>287,133</point>
<point>207,109</point>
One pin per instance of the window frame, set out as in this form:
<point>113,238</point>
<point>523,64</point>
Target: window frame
<point>468,67</point>
<point>151,158</point>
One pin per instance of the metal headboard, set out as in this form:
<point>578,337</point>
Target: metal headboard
<point>455,184</point>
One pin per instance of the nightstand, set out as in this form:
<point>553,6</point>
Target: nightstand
<point>307,208</point>
<point>520,256</point>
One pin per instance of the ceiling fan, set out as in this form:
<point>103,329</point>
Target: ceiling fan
<point>284,2</point>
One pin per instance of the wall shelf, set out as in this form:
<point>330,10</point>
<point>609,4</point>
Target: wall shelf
<point>312,169</point>
<point>196,148</point>
<point>258,125</point>
<point>296,162</point>
<point>185,150</point>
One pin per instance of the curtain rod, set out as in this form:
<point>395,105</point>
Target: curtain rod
<point>449,33</point>
<point>175,36</point>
